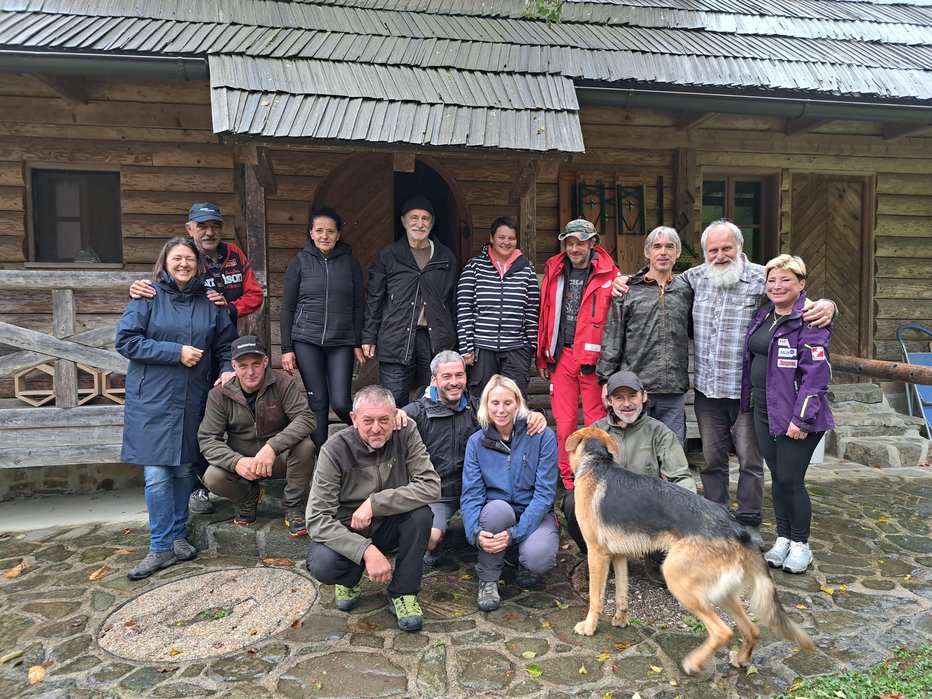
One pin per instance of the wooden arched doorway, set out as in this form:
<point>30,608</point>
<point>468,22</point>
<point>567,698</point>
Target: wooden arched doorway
<point>368,194</point>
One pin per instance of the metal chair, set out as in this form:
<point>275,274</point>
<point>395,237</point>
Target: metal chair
<point>918,397</point>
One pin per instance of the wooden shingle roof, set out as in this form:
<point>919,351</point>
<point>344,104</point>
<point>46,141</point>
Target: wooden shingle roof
<point>478,73</point>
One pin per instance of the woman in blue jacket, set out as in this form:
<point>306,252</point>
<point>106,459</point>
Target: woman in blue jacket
<point>509,484</point>
<point>171,341</point>
<point>321,320</point>
<point>785,381</point>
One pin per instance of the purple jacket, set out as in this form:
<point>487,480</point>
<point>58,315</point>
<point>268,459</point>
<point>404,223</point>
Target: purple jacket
<point>798,372</point>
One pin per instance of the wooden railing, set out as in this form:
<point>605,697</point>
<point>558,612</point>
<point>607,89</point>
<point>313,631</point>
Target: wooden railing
<point>65,349</point>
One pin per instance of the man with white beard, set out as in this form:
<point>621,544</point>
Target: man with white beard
<point>729,289</point>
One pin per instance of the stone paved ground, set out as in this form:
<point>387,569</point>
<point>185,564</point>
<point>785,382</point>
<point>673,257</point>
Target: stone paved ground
<point>871,589</point>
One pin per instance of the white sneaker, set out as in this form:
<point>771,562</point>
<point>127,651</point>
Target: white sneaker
<point>776,555</point>
<point>798,559</point>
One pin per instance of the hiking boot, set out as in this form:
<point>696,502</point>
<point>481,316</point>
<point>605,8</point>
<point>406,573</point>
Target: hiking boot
<point>199,503</point>
<point>433,558</point>
<point>183,550</point>
<point>296,523</point>
<point>488,599</point>
<point>798,559</point>
<point>526,579</point>
<point>407,611</point>
<point>652,567</point>
<point>247,507</point>
<point>777,554</point>
<point>346,597</point>
<point>154,560</point>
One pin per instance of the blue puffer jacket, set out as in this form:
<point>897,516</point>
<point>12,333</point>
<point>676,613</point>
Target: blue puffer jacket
<point>524,476</point>
<point>165,400</point>
<point>798,372</point>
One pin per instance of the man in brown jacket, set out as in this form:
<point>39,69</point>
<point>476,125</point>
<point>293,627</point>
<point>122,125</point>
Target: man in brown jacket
<point>258,425</point>
<point>370,496</point>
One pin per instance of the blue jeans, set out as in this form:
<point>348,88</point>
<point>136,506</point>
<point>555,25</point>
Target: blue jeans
<point>167,491</point>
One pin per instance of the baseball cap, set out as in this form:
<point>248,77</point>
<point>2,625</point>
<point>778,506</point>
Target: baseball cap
<point>417,202</point>
<point>205,212</point>
<point>624,379</point>
<point>579,228</point>
<point>247,344</point>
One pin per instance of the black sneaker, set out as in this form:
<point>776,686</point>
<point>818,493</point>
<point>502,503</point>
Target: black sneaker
<point>154,560</point>
<point>199,503</point>
<point>296,523</point>
<point>247,507</point>
<point>434,558</point>
<point>652,567</point>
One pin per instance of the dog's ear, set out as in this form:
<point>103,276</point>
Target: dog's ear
<point>610,443</point>
<point>573,441</point>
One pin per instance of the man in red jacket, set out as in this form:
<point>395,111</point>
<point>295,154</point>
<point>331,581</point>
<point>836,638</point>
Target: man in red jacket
<point>575,296</point>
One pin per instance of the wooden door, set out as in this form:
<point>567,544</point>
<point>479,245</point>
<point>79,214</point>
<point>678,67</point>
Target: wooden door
<point>361,190</point>
<point>830,232</point>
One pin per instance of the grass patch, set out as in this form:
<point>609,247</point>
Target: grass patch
<point>905,675</point>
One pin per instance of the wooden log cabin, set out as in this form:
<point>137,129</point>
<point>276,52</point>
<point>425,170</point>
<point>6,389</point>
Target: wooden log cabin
<point>807,123</point>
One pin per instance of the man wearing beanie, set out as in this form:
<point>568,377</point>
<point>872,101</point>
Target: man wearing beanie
<point>411,297</point>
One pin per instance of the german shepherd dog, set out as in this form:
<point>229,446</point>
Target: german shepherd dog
<point>709,555</point>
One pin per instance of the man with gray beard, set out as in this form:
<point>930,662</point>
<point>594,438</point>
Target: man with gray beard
<point>729,288</point>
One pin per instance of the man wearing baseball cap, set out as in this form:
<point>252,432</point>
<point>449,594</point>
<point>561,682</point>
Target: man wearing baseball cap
<point>257,426</point>
<point>645,446</point>
<point>575,296</point>
<point>410,302</point>
<point>230,283</point>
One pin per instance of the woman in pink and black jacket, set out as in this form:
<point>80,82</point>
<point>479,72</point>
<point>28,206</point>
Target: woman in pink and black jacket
<point>785,382</point>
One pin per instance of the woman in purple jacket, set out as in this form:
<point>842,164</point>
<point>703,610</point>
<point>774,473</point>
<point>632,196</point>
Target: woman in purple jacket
<point>785,382</point>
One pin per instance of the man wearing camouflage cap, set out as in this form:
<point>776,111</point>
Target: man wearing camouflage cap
<point>575,296</point>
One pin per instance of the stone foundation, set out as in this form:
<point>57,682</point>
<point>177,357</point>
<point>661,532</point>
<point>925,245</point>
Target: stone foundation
<point>63,480</point>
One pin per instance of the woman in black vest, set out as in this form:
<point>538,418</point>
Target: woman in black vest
<point>321,319</point>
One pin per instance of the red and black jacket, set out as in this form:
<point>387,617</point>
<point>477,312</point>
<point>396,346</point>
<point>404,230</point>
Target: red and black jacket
<point>235,280</point>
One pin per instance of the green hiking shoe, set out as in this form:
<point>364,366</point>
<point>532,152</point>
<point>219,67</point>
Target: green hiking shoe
<point>407,611</point>
<point>347,597</point>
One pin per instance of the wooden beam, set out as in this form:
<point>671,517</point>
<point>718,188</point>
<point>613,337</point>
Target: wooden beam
<point>802,125</point>
<point>686,121</point>
<point>882,369</point>
<point>257,249</point>
<point>404,161</point>
<point>893,131</point>
<point>265,171</point>
<point>40,280</point>
<point>101,336</point>
<point>548,170</point>
<point>73,87</point>
<point>63,349</point>
<point>66,372</point>
<point>60,455</point>
<point>87,416</point>
<point>525,176</point>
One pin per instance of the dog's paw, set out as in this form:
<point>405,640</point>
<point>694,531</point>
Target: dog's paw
<point>583,629</point>
<point>735,660</point>
<point>620,619</point>
<point>688,666</point>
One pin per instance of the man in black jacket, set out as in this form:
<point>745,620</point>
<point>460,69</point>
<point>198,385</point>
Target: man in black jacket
<point>411,296</point>
<point>446,419</point>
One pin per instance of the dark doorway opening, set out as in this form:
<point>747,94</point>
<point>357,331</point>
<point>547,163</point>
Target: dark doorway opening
<point>449,226</point>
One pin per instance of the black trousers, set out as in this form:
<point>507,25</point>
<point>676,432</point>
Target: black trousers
<point>572,525</point>
<point>327,373</point>
<point>515,364</point>
<point>408,532</point>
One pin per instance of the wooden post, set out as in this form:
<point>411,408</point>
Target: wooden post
<point>685,200</point>
<point>257,251</point>
<point>66,371</point>
<point>528,220</point>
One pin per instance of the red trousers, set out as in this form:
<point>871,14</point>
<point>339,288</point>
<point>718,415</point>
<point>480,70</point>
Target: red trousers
<point>567,385</point>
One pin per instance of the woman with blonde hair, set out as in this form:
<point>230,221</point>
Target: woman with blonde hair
<point>785,382</point>
<point>509,484</point>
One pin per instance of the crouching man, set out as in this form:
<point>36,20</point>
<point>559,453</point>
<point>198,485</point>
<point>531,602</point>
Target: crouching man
<point>371,495</point>
<point>257,425</point>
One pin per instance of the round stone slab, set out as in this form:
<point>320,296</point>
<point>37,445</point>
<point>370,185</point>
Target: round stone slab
<point>207,615</point>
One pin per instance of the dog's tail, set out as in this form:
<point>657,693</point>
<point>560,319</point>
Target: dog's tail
<point>766,604</point>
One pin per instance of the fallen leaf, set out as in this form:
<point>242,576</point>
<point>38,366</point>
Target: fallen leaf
<point>561,605</point>
<point>99,573</point>
<point>621,645</point>
<point>457,597</point>
<point>122,552</point>
<point>254,632</point>
<point>751,670</point>
<point>297,624</point>
<point>36,674</point>
<point>318,685</point>
<point>534,670</point>
<point>907,577</point>
<point>467,576</point>
<point>603,657</point>
<point>636,695</point>
<point>529,654</point>
<point>655,669</point>
<point>281,562</point>
<point>252,651</point>
<point>827,590</point>
<point>16,571</point>
<point>544,624</point>
<point>583,670</point>
<point>843,588</point>
<point>126,531</point>
<point>458,613</point>
<point>608,695</point>
<point>565,546</point>
<point>883,520</point>
<point>167,668</point>
<point>367,625</point>
<point>11,656</point>
<point>801,606</point>
<point>674,683</point>
<point>510,617</point>
<point>173,652</point>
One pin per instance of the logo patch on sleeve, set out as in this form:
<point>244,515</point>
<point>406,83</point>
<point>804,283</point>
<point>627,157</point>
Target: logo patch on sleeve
<point>786,363</point>
<point>783,342</point>
<point>786,352</point>
<point>818,354</point>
